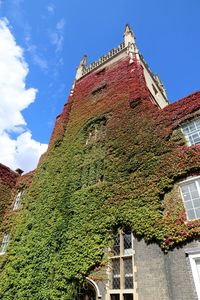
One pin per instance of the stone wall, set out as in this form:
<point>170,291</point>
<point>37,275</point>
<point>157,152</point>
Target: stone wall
<point>162,276</point>
<point>151,273</point>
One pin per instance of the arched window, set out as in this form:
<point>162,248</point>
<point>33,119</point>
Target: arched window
<point>90,291</point>
<point>96,131</point>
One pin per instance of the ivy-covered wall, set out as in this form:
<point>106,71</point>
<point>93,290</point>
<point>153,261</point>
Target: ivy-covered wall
<point>8,180</point>
<point>113,157</point>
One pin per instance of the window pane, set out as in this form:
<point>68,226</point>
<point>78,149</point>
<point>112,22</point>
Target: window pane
<point>198,124</point>
<point>197,210</point>
<point>116,274</point>
<point>192,186</point>
<point>196,138</point>
<point>191,126</point>
<point>191,214</point>
<point>127,243</point>
<point>116,247</point>
<point>128,296</point>
<point>188,205</point>
<point>194,194</point>
<point>196,203</point>
<point>114,297</point>
<point>127,240</point>
<point>187,196</point>
<point>185,129</point>
<point>128,273</point>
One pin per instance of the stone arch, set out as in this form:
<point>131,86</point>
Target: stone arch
<point>96,288</point>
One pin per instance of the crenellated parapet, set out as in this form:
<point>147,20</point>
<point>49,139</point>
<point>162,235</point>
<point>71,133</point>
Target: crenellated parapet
<point>112,53</point>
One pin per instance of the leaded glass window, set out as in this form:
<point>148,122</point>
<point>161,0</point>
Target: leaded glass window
<point>127,243</point>
<point>116,274</point>
<point>128,273</point>
<point>114,297</point>
<point>192,131</point>
<point>5,242</point>
<point>191,198</point>
<point>128,296</point>
<point>116,247</point>
<point>122,267</point>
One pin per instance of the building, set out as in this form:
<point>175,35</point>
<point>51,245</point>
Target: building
<point>113,210</point>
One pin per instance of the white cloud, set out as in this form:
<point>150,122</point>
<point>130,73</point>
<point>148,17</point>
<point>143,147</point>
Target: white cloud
<point>57,36</point>
<point>60,24</point>
<point>32,49</point>
<point>41,62</point>
<point>28,151</point>
<point>22,152</point>
<point>51,8</point>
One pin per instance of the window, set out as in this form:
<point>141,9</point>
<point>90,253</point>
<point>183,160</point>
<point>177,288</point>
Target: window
<point>194,257</point>
<point>4,244</point>
<point>87,293</point>
<point>191,131</point>
<point>18,200</point>
<point>128,297</point>
<point>122,287</point>
<point>128,273</point>
<point>116,273</point>
<point>114,297</point>
<point>99,89</point>
<point>190,191</point>
<point>116,247</point>
<point>96,132</point>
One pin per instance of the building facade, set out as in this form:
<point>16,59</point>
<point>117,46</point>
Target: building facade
<point>113,210</point>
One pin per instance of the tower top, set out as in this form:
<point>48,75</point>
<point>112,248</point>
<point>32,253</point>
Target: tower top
<point>128,35</point>
<point>128,45</point>
<point>127,48</point>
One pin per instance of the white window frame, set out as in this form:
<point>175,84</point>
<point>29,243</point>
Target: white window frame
<point>182,183</point>
<point>188,142</point>
<point>18,200</point>
<point>4,244</point>
<point>192,258</point>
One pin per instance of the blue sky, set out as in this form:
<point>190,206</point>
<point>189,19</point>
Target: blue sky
<point>54,35</point>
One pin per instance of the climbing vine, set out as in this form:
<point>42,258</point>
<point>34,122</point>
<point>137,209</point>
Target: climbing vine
<point>111,164</point>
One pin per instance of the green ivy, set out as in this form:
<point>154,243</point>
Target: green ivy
<point>82,193</point>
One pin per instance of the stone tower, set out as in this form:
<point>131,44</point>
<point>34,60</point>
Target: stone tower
<point>112,211</point>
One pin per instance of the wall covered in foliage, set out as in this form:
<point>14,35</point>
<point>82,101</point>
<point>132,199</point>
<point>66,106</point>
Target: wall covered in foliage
<point>8,180</point>
<point>113,157</point>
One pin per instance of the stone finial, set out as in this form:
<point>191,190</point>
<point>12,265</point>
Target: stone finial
<point>128,36</point>
<point>81,67</point>
<point>133,52</point>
